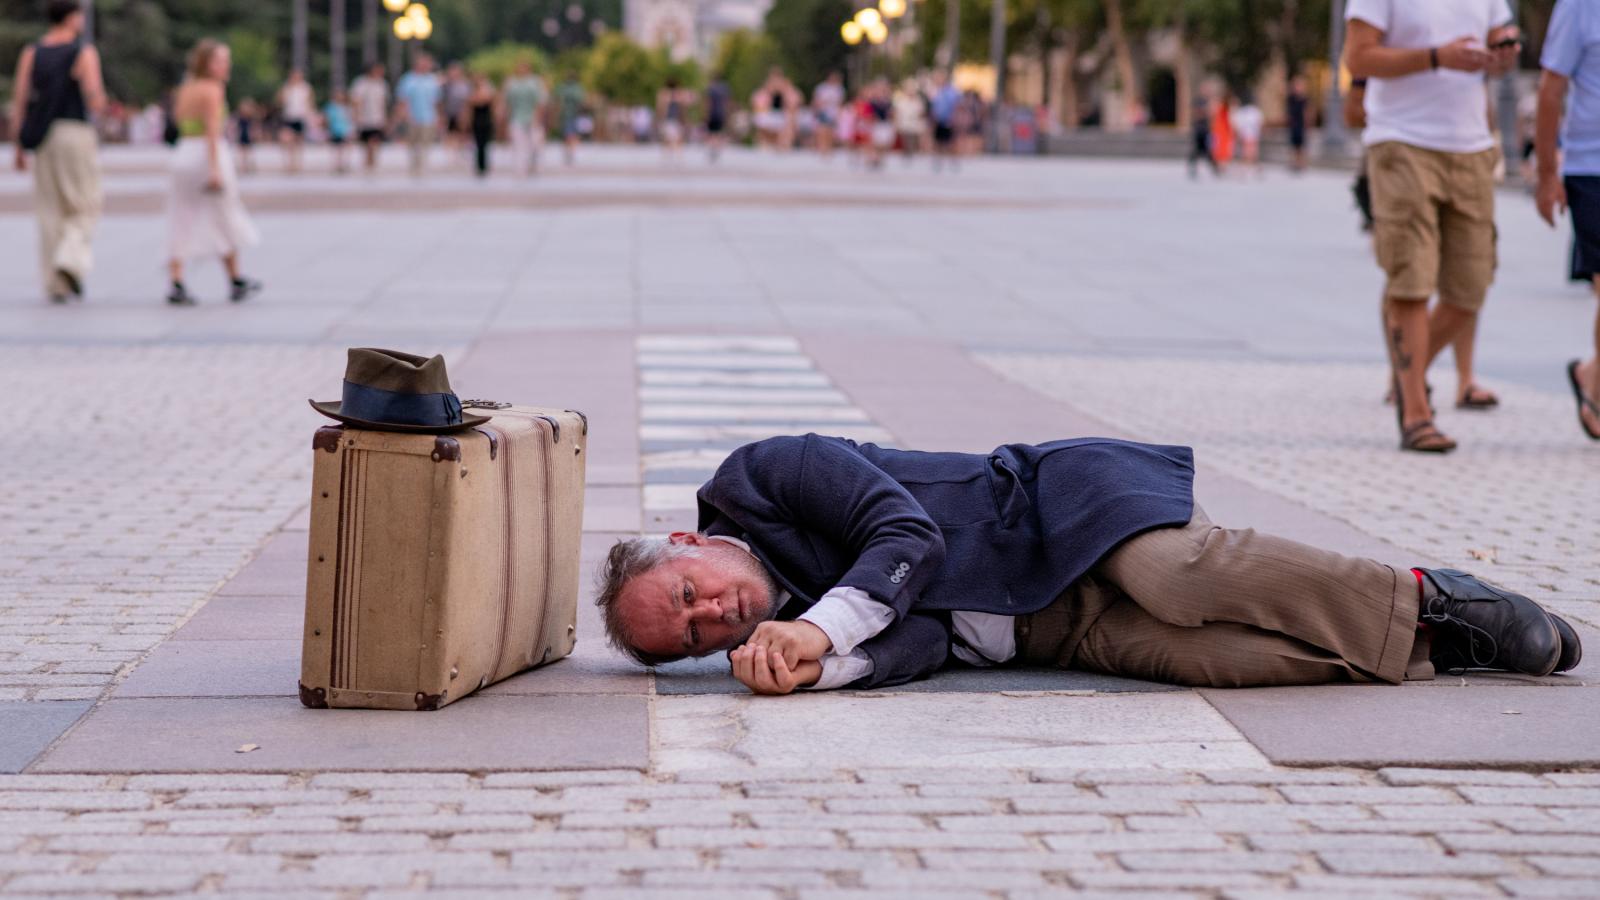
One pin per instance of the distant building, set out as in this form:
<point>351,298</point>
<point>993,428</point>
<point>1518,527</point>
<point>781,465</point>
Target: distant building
<point>690,27</point>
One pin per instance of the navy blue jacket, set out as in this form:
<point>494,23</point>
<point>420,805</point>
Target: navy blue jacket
<point>929,533</point>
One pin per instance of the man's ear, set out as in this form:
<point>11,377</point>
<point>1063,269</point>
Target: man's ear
<point>687,538</point>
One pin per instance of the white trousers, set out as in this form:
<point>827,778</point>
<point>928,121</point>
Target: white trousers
<point>527,142</point>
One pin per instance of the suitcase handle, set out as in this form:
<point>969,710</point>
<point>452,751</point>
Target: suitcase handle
<point>484,404</point>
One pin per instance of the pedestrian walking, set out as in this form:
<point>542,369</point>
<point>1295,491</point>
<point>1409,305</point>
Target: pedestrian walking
<point>1222,131</point>
<point>57,87</point>
<point>1200,137</point>
<point>1247,120</point>
<point>569,109</point>
<point>910,118</point>
<point>340,124</point>
<point>775,104</point>
<point>418,93</point>
<point>246,125</point>
<point>876,110</point>
<point>1571,64</point>
<point>1431,160</point>
<point>456,90</point>
<point>1295,110</point>
<point>826,101</point>
<point>523,99</point>
<point>478,118</point>
<point>942,109</point>
<point>369,101</point>
<point>297,104</point>
<point>207,215</point>
<point>972,116</point>
<point>672,110</point>
<point>718,99</point>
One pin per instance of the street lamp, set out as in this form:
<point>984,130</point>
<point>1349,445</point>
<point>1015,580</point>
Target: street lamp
<point>878,33</point>
<point>892,9</point>
<point>414,25</point>
<point>869,18</point>
<point>852,32</point>
<point>395,6</point>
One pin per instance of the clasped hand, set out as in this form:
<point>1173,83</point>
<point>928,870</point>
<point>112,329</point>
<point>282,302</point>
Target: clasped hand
<point>780,656</point>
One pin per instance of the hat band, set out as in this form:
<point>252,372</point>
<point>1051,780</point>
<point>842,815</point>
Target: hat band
<point>371,404</point>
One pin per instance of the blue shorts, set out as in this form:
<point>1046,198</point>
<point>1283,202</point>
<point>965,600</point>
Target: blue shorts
<point>1583,199</point>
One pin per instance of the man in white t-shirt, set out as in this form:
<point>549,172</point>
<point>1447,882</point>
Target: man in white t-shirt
<point>1431,159</point>
<point>369,102</point>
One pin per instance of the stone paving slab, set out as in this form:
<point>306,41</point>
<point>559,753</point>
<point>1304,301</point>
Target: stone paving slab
<point>709,675</point>
<point>506,732</point>
<point>989,730</point>
<point>217,668</point>
<point>1374,726</point>
<point>26,729</point>
<point>234,617</point>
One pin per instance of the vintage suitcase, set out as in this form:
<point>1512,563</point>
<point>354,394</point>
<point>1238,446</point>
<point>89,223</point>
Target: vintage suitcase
<point>441,563</point>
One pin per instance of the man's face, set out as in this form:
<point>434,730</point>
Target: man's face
<point>700,604</point>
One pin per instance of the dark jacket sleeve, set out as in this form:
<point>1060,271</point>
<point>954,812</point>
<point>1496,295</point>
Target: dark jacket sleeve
<point>823,486</point>
<point>915,647</point>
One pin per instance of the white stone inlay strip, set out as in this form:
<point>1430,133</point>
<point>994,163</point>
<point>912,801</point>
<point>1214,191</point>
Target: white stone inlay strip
<point>650,394</point>
<point>736,361</point>
<point>699,458</point>
<point>867,434</point>
<point>658,497</point>
<point>709,377</point>
<point>695,412</point>
<point>718,343</point>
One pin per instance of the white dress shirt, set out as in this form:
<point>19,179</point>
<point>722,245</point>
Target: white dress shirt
<point>849,617</point>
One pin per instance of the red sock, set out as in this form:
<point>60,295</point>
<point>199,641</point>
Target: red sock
<point>1421,626</point>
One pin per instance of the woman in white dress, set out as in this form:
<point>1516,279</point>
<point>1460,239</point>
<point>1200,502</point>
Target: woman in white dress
<point>208,217</point>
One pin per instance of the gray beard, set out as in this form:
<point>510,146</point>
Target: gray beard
<point>773,590</point>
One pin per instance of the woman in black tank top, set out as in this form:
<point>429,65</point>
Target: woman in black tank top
<point>57,86</point>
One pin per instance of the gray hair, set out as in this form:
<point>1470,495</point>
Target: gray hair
<point>627,560</point>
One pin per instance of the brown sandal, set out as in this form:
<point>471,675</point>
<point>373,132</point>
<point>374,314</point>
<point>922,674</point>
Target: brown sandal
<point>1475,397</point>
<point>1423,437</point>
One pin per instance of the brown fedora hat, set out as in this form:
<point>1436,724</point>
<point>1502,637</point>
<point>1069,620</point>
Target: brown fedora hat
<point>386,390</point>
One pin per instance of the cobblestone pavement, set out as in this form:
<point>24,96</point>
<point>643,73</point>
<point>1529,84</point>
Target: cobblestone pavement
<point>1517,502</point>
<point>151,475</point>
<point>161,449</point>
<point>986,833</point>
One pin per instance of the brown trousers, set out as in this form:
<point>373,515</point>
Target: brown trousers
<point>1207,606</point>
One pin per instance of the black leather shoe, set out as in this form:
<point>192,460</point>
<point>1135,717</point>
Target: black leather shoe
<point>1478,626</point>
<point>1571,647</point>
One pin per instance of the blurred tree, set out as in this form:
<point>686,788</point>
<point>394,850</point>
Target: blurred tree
<point>623,72</point>
<point>144,42</point>
<point>498,61</point>
<point>806,33</point>
<point>686,72</point>
<point>257,68</point>
<point>973,43</point>
<point>743,58</point>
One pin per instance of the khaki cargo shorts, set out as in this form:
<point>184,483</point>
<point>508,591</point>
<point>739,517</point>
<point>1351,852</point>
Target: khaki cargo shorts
<point>1434,222</point>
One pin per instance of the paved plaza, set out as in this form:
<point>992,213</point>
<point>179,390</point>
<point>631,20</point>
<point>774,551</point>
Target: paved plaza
<point>153,539</point>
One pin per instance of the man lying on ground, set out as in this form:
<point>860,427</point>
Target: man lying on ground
<point>821,563</point>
